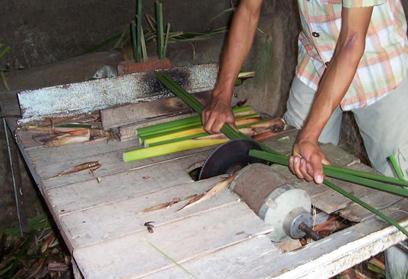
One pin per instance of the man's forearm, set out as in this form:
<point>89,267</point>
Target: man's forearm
<point>332,89</point>
<point>337,78</point>
<point>239,42</point>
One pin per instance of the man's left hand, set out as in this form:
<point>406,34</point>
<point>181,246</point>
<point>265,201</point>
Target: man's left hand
<point>307,161</point>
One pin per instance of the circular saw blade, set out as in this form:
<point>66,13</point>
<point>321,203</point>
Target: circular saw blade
<point>229,158</point>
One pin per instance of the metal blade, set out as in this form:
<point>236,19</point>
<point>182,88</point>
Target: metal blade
<point>229,158</point>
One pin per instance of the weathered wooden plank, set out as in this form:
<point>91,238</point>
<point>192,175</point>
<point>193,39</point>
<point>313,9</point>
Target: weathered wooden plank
<point>220,264</point>
<point>121,186</point>
<point>128,132</point>
<point>330,256</point>
<point>114,220</point>
<point>103,93</point>
<point>377,199</point>
<point>322,259</point>
<point>182,240</point>
<point>143,112</point>
<point>111,163</point>
<point>42,155</point>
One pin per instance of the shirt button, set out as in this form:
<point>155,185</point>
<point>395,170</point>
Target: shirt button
<point>315,34</point>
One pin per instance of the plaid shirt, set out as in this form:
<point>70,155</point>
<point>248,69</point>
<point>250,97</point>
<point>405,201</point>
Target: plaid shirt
<point>384,64</point>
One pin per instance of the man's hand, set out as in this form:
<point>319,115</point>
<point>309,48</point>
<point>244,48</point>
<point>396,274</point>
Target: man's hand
<point>216,114</point>
<point>240,37</point>
<point>307,161</point>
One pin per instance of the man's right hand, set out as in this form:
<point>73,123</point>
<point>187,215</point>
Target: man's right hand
<point>216,114</point>
<point>240,37</point>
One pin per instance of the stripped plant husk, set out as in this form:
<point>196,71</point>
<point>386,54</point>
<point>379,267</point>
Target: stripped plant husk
<point>90,166</point>
<point>59,138</point>
<point>217,188</point>
<point>162,205</point>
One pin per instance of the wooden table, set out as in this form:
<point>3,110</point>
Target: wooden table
<point>101,217</point>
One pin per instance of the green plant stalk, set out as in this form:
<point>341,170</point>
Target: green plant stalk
<point>396,167</point>
<point>166,149</point>
<point>375,269</point>
<point>190,122</point>
<point>193,136</point>
<point>143,45</point>
<point>172,260</point>
<point>180,92</point>
<point>4,51</point>
<point>193,103</point>
<point>166,40</point>
<point>139,18</point>
<point>184,127</point>
<point>185,123</point>
<point>373,210</point>
<point>195,118</point>
<point>363,174</point>
<point>134,41</point>
<point>334,172</point>
<point>159,28</point>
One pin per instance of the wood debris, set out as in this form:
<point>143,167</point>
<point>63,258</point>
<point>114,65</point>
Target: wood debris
<point>218,187</point>
<point>56,138</point>
<point>90,166</point>
<point>149,226</point>
<point>162,205</point>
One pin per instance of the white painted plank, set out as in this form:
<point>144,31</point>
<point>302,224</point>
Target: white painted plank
<point>327,257</point>
<point>377,199</point>
<point>122,186</point>
<point>144,112</point>
<point>111,163</point>
<point>114,220</point>
<point>183,240</point>
<point>222,263</point>
<point>103,93</point>
<point>43,155</point>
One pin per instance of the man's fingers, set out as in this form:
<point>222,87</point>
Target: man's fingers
<point>316,162</point>
<point>309,169</point>
<point>217,126</point>
<point>296,167</point>
<point>291,165</point>
<point>209,124</point>
<point>304,170</point>
<point>325,161</point>
<point>204,116</point>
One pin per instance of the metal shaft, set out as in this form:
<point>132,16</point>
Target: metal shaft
<point>309,232</point>
<point>16,181</point>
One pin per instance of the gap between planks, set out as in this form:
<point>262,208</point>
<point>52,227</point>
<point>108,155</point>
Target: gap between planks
<point>121,186</point>
<point>322,259</point>
<point>184,240</point>
<point>111,163</point>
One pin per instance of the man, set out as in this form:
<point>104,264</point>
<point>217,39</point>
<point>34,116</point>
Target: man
<point>353,55</point>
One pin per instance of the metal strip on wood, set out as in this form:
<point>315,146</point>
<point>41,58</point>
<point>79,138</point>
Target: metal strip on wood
<point>83,97</point>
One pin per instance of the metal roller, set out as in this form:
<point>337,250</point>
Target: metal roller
<point>281,205</point>
<point>284,207</point>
